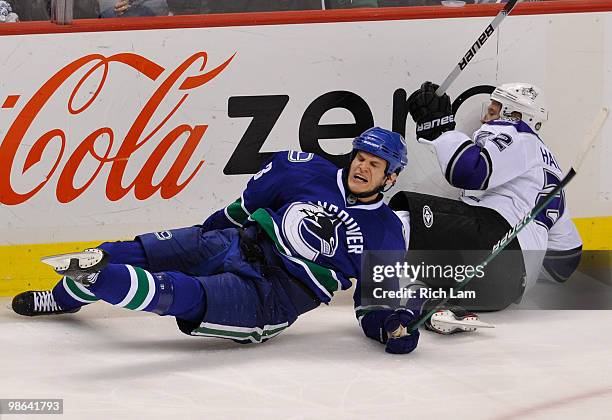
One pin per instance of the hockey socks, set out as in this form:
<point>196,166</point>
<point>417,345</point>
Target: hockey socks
<point>168,293</point>
<point>90,275</point>
<point>70,295</point>
<point>125,286</point>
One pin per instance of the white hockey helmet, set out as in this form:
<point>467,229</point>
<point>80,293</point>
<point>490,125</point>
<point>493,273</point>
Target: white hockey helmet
<point>524,98</point>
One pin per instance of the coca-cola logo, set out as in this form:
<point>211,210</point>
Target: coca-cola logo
<point>65,163</point>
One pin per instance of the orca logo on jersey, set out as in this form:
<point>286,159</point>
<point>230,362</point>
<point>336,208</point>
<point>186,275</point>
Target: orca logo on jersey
<point>311,231</point>
<point>428,217</point>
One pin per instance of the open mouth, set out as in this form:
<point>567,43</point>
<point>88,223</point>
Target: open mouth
<point>360,179</point>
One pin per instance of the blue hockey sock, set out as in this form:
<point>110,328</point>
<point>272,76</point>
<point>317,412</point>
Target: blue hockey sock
<point>134,288</point>
<point>69,294</point>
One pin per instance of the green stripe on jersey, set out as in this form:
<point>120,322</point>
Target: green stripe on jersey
<point>236,212</point>
<point>322,275</point>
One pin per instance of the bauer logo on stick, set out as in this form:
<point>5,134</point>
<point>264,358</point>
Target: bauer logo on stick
<point>476,46</point>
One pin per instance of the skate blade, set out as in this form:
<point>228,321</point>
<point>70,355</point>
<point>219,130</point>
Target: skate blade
<point>86,259</point>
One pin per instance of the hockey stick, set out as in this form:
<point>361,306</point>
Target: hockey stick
<point>486,34</point>
<point>587,145</point>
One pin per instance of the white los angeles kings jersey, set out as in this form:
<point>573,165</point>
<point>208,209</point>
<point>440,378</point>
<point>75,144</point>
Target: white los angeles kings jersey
<point>515,169</point>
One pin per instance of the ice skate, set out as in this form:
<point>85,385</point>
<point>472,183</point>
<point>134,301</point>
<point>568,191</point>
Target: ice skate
<point>38,302</point>
<point>451,319</point>
<point>82,267</point>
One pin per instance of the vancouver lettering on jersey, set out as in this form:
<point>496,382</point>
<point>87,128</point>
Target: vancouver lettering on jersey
<point>354,236</point>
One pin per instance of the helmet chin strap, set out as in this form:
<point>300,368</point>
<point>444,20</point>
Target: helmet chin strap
<point>382,187</point>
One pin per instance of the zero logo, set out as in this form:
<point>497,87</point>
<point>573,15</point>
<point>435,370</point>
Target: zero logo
<point>266,110</point>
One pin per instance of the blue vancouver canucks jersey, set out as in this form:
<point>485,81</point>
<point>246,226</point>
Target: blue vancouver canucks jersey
<point>300,201</point>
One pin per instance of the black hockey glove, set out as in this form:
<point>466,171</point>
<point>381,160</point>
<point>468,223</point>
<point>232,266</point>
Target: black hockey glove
<point>432,114</point>
<point>399,340</point>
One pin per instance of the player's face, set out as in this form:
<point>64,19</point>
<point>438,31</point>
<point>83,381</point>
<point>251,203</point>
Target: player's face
<point>492,112</point>
<point>367,173</point>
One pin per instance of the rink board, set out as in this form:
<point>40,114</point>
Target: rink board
<point>108,134</point>
<point>22,269</point>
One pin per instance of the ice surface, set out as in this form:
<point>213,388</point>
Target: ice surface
<point>112,363</point>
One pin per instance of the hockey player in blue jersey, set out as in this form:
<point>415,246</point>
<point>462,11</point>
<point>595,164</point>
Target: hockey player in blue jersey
<point>293,239</point>
<point>504,170</point>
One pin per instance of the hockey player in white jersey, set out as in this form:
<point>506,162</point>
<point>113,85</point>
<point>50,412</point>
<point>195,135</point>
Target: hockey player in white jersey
<point>511,167</point>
